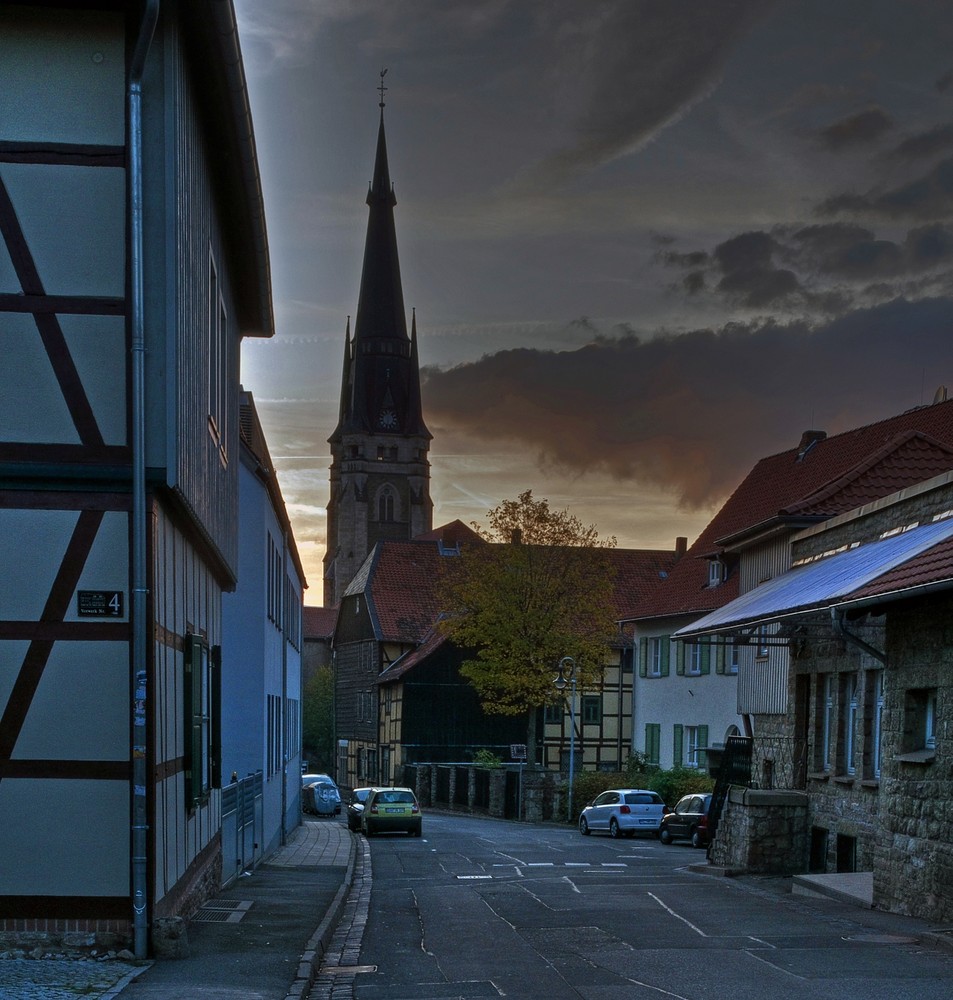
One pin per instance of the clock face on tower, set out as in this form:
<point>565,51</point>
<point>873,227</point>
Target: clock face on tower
<point>387,420</point>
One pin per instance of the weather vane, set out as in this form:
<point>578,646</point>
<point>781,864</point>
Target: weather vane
<point>382,88</point>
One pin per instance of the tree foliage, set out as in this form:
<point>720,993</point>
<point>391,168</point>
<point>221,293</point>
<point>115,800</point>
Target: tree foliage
<point>539,590</point>
<point>317,720</point>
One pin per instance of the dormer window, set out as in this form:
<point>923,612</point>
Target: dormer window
<point>716,572</point>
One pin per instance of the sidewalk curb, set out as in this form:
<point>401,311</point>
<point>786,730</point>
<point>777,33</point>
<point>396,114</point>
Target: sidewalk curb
<point>310,961</point>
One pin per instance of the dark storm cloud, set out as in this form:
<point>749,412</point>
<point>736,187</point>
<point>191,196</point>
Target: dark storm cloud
<point>693,412</point>
<point>822,269</point>
<point>859,129</point>
<point>925,144</point>
<point>638,65</point>
<point>927,197</point>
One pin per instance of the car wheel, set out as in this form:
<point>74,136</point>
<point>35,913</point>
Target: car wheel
<point>584,826</point>
<point>417,831</point>
<point>614,830</point>
<point>664,835</point>
<point>697,839</point>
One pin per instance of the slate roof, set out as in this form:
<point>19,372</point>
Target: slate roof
<point>802,486</point>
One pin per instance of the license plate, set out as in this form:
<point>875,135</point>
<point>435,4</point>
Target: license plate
<point>647,822</point>
<point>395,810</point>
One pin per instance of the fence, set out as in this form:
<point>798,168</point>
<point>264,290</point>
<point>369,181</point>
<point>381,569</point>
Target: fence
<point>242,825</point>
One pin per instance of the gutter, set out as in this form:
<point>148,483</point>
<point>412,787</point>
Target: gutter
<point>837,623</point>
<point>139,581</point>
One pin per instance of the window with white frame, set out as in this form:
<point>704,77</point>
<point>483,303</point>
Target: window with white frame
<point>920,722</point>
<point>850,703</point>
<point>825,721</point>
<point>873,723</point>
<point>691,746</point>
<point>658,655</point>
<point>732,657</point>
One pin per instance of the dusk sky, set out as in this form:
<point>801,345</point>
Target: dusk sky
<point>648,241</point>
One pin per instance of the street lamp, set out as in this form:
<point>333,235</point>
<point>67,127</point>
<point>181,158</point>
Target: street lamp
<point>567,675</point>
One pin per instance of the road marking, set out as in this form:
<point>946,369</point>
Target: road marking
<point>677,916</point>
<point>474,876</point>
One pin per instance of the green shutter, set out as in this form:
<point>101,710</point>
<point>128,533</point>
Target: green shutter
<point>643,656</point>
<point>215,662</point>
<point>666,649</point>
<point>678,752</point>
<point>680,658</point>
<point>720,658</point>
<point>703,742</point>
<point>652,734</point>
<point>706,657</point>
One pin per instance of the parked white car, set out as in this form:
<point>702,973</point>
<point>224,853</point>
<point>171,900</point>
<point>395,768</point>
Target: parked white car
<point>623,812</point>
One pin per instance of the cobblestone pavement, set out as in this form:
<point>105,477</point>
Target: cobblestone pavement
<point>64,978</point>
<point>339,969</point>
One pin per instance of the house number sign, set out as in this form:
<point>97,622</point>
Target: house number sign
<point>99,603</point>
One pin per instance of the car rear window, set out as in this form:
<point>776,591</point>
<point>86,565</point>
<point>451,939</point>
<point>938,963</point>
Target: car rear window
<point>642,799</point>
<point>395,797</point>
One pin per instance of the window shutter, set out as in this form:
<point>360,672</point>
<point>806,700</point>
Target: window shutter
<point>720,650</point>
<point>666,649</point>
<point>215,662</point>
<point>678,752</point>
<point>652,742</point>
<point>680,658</point>
<point>706,657</point>
<point>643,656</point>
<point>703,742</point>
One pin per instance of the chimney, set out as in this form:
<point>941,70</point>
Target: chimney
<point>681,546</point>
<point>807,442</point>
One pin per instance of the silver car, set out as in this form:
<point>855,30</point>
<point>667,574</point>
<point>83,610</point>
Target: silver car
<point>623,812</point>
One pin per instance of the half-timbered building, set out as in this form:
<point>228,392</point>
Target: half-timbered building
<point>133,260</point>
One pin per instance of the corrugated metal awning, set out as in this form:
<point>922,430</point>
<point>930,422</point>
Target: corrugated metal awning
<point>820,584</point>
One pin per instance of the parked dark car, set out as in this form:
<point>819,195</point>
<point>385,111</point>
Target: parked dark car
<point>689,821</point>
<point>388,809</point>
<point>355,808</point>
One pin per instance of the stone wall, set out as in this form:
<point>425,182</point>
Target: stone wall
<point>763,832</point>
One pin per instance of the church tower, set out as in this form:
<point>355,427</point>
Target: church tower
<point>380,471</point>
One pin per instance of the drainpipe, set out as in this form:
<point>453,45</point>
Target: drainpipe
<point>837,621</point>
<point>283,633</point>
<point>139,841</point>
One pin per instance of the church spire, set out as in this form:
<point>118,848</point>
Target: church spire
<point>380,469</point>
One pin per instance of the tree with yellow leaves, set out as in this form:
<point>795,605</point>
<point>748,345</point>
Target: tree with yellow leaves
<point>537,591</point>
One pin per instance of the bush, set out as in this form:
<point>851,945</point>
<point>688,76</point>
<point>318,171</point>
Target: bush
<point>672,785</point>
<point>486,758</point>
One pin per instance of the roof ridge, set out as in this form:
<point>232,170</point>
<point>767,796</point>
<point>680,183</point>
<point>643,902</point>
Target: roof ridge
<point>865,465</point>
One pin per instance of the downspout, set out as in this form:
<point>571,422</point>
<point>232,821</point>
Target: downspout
<point>283,633</point>
<point>837,621</point>
<point>139,840</point>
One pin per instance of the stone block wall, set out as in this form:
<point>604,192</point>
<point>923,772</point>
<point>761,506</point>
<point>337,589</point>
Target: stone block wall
<point>763,832</point>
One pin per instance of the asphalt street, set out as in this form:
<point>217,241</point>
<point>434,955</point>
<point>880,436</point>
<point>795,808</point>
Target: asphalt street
<point>483,908</point>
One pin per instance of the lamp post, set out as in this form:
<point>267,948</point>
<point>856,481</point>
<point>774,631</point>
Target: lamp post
<point>567,666</point>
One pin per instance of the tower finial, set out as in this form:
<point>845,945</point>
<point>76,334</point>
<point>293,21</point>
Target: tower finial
<point>382,88</point>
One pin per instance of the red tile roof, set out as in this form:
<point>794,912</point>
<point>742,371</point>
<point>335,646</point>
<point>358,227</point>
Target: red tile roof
<point>318,623</point>
<point>402,579</point>
<point>931,567</point>
<point>833,475</point>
